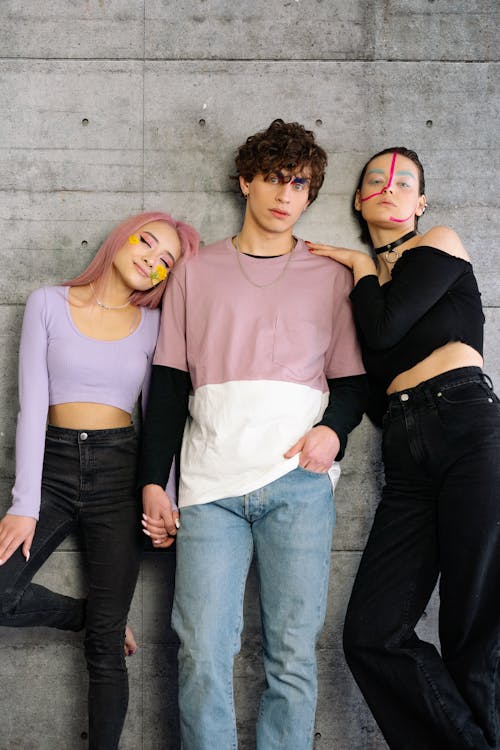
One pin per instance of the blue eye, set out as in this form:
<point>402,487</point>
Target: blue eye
<point>273,179</point>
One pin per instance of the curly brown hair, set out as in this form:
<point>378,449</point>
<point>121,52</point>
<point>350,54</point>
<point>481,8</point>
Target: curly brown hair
<point>284,145</point>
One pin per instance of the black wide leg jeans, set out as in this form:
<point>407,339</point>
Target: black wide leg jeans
<point>439,515</point>
<point>88,484</point>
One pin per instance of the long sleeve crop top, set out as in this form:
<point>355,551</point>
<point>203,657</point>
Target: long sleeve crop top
<point>432,299</point>
<point>59,364</point>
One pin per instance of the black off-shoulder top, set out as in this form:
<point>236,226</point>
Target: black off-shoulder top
<point>432,299</point>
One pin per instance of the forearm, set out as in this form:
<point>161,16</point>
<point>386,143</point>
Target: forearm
<point>163,427</point>
<point>346,406</point>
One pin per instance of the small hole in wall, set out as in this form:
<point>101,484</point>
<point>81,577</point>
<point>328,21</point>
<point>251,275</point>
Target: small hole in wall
<point>202,123</point>
<point>429,123</point>
<point>319,122</point>
<point>85,122</point>
<point>84,735</point>
<point>84,243</point>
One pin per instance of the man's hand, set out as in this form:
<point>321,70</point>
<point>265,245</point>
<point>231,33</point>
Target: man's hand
<point>317,449</point>
<point>16,530</point>
<point>160,519</point>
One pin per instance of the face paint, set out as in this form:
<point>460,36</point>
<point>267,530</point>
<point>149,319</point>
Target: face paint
<point>300,183</point>
<point>158,274</point>
<point>386,187</point>
<point>401,221</point>
<point>134,239</point>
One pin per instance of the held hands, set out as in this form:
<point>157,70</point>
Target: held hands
<point>318,449</point>
<point>160,519</point>
<point>16,530</point>
<point>360,263</point>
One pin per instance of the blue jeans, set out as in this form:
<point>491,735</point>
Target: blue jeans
<point>288,526</point>
<point>88,484</point>
<point>439,515</point>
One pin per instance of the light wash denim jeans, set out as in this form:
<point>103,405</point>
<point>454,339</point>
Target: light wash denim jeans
<point>288,526</point>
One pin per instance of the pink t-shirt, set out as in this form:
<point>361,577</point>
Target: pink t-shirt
<point>259,337</point>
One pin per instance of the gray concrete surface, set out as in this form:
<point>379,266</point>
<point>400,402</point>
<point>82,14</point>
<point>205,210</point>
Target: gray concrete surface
<point>108,107</point>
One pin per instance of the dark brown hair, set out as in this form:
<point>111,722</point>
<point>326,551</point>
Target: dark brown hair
<point>284,145</point>
<point>412,155</point>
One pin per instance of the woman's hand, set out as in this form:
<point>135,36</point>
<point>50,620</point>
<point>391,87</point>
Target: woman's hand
<point>160,519</point>
<point>361,264</point>
<point>14,531</point>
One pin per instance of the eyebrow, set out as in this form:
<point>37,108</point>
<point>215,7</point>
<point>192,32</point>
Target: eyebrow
<point>410,174</point>
<point>167,252</point>
<point>378,171</point>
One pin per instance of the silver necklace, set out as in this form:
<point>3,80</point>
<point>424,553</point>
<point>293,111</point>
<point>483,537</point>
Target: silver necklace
<point>103,305</point>
<point>268,283</point>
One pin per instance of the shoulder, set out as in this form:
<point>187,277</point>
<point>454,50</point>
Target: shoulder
<point>444,239</point>
<point>37,300</point>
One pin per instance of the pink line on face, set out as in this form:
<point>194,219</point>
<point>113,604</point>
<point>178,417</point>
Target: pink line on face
<point>386,187</point>
<point>400,221</point>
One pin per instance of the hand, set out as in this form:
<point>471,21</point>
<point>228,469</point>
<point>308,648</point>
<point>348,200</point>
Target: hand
<point>360,263</point>
<point>16,530</point>
<point>318,449</point>
<point>160,519</point>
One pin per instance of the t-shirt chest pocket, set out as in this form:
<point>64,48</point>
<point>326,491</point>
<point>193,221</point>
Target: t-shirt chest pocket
<point>299,347</point>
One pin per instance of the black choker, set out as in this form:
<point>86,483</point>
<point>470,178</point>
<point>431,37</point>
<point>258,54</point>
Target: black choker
<point>391,255</point>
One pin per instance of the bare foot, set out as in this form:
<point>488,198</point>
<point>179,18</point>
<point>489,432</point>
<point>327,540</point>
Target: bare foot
<point>130,642</point>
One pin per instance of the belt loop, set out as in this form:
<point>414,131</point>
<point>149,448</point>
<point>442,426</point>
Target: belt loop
<point>486,378</point>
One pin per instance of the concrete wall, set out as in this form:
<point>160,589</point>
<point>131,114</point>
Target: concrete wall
<point>109,107</point>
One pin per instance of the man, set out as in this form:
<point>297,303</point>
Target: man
<point>257,339</point>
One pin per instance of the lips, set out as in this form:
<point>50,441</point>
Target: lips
<point>279,214</point>
<point>386,203</point>
<point>141,270</point>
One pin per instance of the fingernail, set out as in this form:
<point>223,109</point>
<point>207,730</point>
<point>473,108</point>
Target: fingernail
<point>145,516</point>
<point>145,531</point>
<point>307,242</point>
<point>177,523</point>
<point>27,555</point>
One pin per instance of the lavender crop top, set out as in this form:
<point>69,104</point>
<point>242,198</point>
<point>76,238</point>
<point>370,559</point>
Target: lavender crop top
<point>59,364</point>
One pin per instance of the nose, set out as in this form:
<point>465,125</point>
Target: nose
<point>283,193</point>
<point>387,188</point>
<point>148,260</point>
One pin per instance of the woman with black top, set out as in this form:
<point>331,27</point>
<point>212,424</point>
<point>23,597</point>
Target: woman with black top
<point>421,325</point>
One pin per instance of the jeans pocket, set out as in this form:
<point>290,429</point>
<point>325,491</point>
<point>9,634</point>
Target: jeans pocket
<point>313,473</point>
<point>463,394</point>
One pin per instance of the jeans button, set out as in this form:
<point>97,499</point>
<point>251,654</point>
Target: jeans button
<point>83,436</point>
<point>404,397</point>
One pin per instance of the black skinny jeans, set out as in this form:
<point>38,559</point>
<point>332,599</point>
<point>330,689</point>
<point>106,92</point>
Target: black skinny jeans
<point>439,515</point>
<point>88,484</point>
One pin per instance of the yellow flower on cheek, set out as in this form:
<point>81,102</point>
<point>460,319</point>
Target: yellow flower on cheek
<point>134,239</point>
<point>158,274</point>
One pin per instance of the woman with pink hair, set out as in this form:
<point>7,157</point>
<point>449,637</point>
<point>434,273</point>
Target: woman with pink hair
<point>85,357</point>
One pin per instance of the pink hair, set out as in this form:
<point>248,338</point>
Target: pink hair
<point>103,259</point>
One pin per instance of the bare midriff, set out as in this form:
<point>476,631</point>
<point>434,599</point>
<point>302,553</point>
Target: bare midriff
<point>448,357</point>
<point>87,416</point>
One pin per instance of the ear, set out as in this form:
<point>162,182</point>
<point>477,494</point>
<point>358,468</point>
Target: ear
<point>422,203</point>
<point>357,200</point>
<point>244,186</point>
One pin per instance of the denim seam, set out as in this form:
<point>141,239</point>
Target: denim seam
<point>429,680</point>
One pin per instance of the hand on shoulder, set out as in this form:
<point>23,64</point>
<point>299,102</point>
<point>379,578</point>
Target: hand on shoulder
<point>445,239</point>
